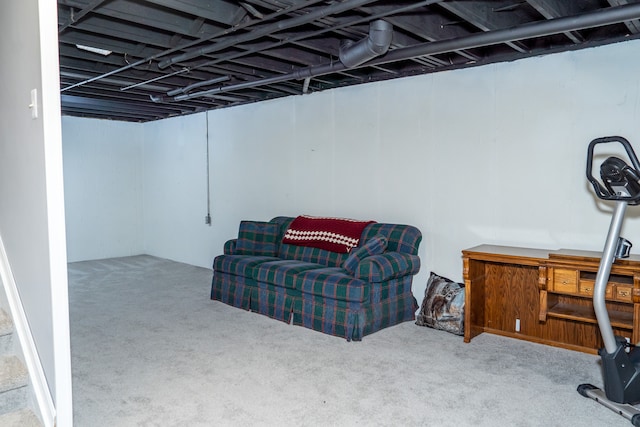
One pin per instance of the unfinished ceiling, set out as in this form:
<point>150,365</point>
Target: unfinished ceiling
<point>141,60</point>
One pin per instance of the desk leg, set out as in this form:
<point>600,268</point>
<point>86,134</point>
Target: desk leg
<point>474,293</point>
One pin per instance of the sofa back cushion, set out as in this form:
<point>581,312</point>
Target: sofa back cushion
<point>306,253</point>
<point>314,255</point>
<point>400,238</point>
<point>258,238</point>
<point>331,234</point>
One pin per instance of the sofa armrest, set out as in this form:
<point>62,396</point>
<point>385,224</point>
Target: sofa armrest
<point>230,246</point>
<point>389,265</point>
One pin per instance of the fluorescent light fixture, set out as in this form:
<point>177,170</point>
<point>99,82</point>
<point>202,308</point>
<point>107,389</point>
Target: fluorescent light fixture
<point>92,49</point>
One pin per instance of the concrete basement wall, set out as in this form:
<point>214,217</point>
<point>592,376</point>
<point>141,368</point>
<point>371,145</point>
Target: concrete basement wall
<point>493,154</point>
<point>103,188</point>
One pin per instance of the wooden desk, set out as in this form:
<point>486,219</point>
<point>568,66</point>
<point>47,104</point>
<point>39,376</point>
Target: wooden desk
<point>549,294</point>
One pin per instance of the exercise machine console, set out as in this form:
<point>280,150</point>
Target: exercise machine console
<point>619,182</point>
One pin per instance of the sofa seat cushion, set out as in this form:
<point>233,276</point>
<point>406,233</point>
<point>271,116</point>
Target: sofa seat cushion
<point>282,272</point>
<point>239,265</point>
<point>333,283</point>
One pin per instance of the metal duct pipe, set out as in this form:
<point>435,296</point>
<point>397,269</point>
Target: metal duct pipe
<point>609,16</point>
<point>612,15</point>
<point>309,72</point>
<point>293,39</point>
<point>228,57</point>
<point>376,44</point>
<point>197,85</point>
<point>267,29</point>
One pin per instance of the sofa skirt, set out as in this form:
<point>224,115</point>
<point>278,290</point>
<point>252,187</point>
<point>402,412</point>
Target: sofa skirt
<point>352,321</point>
<point>237,291</point>
<point>349,320</point>
<point>275,302</point>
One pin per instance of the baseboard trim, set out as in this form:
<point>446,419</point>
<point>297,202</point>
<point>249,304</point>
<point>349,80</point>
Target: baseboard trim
<point>43,397</point>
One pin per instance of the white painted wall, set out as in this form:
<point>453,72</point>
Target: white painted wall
<point>32,222</point>
<point>492,154</point>
<point>175,190</point>
<point>103,187</point>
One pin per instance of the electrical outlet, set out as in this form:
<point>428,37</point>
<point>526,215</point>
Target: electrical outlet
<point>517,325</point>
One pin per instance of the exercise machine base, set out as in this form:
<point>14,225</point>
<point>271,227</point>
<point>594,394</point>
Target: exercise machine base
<point>628,411</point>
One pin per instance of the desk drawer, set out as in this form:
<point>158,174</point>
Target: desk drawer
<point>623,293</point>
<point>586,287</point>
<point>565,281</point>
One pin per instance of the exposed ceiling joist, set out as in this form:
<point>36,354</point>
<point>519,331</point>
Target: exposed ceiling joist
<point>163,58</point>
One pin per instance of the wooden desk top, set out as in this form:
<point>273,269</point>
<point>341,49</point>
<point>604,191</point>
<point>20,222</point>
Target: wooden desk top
<point>507,254</point>
<point>529,256</point>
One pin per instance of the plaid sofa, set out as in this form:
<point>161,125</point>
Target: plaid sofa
<point>311,287</point>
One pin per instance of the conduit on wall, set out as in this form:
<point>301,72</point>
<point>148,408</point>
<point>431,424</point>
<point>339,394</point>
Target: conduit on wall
<point>207,219</point>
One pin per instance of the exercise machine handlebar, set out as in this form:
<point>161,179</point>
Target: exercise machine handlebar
<point>620,182</point>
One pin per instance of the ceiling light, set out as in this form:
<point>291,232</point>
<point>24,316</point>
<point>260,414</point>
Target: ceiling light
<point>92,49</point>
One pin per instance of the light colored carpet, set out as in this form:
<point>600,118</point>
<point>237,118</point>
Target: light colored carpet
<point>149,348</point>
<point>20,418</point>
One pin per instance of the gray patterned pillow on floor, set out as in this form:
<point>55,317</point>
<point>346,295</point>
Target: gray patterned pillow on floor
<point>443,305</point>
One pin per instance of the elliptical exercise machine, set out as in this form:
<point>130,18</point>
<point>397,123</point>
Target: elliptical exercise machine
<point>620,360</point>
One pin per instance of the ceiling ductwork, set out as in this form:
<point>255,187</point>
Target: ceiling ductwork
<point>612,15</point>
<point>351,55</point>
<point>266,30</point>
<point>181,57</point>
<point>197,85</point>
<point>376,44</point>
